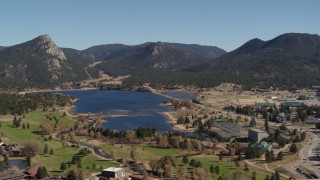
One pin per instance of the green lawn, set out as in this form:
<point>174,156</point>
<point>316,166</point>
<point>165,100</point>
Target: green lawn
<point>61,154</point>
<point>226,166</point>
<point>35,119</point>
<point>145,152</point>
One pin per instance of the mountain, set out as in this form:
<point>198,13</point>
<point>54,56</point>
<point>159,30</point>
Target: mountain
<point>199,50</point>
<point>288,60</point>
<point>2,47</point>
<point>119,51</point>
<point>38,63</point>
<point>155,57</point>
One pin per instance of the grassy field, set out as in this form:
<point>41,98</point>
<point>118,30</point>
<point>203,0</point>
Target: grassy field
<point>52,162</point>
<point>226,166</point>
<point>145,152</point>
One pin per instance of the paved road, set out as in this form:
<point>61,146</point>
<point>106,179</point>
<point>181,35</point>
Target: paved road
<point>306,159</point>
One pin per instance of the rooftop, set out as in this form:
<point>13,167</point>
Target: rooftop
<point>258,130</point>
<point>112,169</point>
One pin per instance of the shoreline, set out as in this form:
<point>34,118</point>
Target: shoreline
<point>172,121</point>
<point>167,115</point>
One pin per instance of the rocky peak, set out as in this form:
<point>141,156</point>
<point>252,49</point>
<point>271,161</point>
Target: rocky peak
<point>45,43</point>
<point>157,48</point>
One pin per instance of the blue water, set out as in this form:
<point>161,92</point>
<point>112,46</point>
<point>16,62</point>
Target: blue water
<point>142,108</point>
<point>180,95</point>
<point>20,164</point>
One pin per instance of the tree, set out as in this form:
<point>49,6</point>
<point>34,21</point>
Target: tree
<point>113,155</point>
<point>280,155</point>
<point>253,121</point>
<point>28,160</point>
<point>133,154</point>
<point>200,173</point>
<point>46,149</point>
<point>72,175</point>
<point>63,166</point>
<point>31,147</point>
<point>23,126</point>
<point>64,114</point>
<point>212,169</point>
<point>266,125</point>
<point>51,151</point>
<point>50,138</point>
<point>246,168</point>
<point>221,156</point>
<point>217,170</point>
<point>254,174</point>
<point>237,163</point>
<point>293,148</point>
<point>193,163</point>
<point>198,164</point>
<point>93,166</point>
<point>28,126</point>
<point>277,175</point>
<point>6,159</point>
<point>185,160</point>
<point>168,170</point>
<point>42,173</point>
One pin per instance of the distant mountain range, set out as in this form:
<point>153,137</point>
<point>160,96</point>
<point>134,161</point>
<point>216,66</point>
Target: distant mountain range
<point>288,60</point>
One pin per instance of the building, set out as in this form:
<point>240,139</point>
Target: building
<point>263,145</point>
<point>265,104</point>
<point>33,170</point>
<point>113,173</point>
<point>292,103</point>
<point>312,120</point>
<point>257,135</point>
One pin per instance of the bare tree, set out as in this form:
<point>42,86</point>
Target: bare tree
<point>31,147</point>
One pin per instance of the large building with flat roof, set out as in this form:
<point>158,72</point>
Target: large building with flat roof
<point>257,135</point>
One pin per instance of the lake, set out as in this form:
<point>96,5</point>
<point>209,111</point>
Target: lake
<point>142,109</point>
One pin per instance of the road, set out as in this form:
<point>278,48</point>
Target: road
<point>306,157</point>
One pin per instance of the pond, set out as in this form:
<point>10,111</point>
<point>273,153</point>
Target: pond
<point>15,164</point>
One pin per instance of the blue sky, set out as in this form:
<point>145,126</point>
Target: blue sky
<point>228,24</point>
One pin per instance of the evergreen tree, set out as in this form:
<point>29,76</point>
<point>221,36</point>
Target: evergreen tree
<point>217,170</point>
<point>51,151</point>
<point>293,148</point>
<point>23,126</point>
<point>266,125</point>
<point>212,169</point>
<point>63,166</point>
<point>280,155</point>
<point>28,126</point>
<point>277,175</point>
<point>46,149</point>
<point>220,155</point>
<point>42,173</point>
<point>193,163</point>
<point>185,160</point>
<point>93,166</point>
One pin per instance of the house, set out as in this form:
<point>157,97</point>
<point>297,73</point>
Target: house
<point>33,170</point>
<point>113,173</point>
<point>312,120</point>
<point>257,135</point>
<point>265,104</point>
<point>263,145</point>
